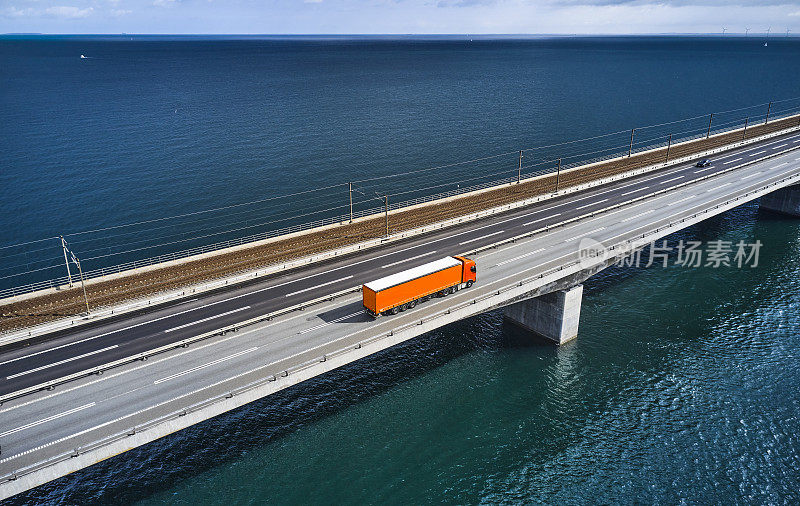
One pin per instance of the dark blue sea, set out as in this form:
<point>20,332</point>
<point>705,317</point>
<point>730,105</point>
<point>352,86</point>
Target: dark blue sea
<point>681,388</point>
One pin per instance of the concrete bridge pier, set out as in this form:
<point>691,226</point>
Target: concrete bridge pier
<point>554,316</point>
<point>784,201</point>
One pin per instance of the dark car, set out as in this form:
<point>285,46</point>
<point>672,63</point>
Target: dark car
<point>703,163</point>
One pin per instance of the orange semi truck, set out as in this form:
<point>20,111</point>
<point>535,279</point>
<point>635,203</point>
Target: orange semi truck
<point>403,290</point>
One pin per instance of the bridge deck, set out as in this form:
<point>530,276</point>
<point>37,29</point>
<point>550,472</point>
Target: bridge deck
<point>45,425</point>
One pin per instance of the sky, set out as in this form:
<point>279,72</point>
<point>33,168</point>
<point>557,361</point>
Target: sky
<point>398,16</point>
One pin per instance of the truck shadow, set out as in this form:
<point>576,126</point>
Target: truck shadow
<point>350,313</point>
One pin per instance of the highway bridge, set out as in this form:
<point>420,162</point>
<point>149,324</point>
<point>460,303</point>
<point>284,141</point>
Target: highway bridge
<point>75,397</point>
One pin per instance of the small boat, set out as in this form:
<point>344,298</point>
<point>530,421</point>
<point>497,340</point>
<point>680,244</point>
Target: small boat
<point>83,57</point>
<point>765,44</point>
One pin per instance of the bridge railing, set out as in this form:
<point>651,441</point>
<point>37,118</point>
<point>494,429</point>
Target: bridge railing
<point>637,236</point>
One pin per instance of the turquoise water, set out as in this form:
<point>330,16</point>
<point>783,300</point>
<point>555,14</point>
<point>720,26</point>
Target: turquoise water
<point>681,387</point>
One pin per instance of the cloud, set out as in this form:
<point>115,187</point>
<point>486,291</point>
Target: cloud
<point>120,12</point>
<point>68,12</point>
<point>165,3</point>
<point>56,11</point>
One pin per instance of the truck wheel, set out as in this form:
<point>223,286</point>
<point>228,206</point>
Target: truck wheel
<point>452,289</point>
<point>470,283</point>
<point>412,304</point>
<point>395,310</point>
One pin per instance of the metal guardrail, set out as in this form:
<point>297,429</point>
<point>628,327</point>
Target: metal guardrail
<point>323,358</point>
<point>167,257</point>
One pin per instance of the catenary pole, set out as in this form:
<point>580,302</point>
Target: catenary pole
<point>630,149</point>
<point>669,145</point>
<point>83,285</point>
<point>386,215</point>
<point>350,185</point>
<point>66,262</point>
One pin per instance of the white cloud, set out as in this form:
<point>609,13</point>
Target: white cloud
<point>68,11</point>
<point>165,3</point>
<point>120,12</point>
<point>56,11</point>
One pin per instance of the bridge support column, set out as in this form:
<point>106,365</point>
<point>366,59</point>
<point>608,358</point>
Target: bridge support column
<point>553,316</point>
<point>784,201</point>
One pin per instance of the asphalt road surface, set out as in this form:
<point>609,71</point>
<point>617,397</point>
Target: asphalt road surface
<point>67,352</point>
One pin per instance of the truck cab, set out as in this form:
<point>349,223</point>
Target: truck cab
<point>469,273</point>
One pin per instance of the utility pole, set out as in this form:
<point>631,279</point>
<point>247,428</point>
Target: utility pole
<point>709,125</point>
<point>66,262</point>
<point>744,132</point>
<point>769,107</point>
<point>746,32</point>
<point>630,149</point>
<point>77,262</point>
<point>669,144</point>
<point>85,298</point>
<point>350,185</point>
<point>386,205</point>
<point>519,169</point>
<point>558,174</point>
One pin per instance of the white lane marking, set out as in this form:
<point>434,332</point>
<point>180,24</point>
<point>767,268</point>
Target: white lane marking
<point>318,286</point>
<point>673,179</point>
<point>781,145</point>
<point>42,368</point>
<point>634,191</point>
<point>408,259</point>
<point>638,215</point>
<point>731,161</point>
<point>199,367</point>
<point>541,219</point>
<point>718,187</point>
<point>48,419</point>
<point>585,234</point>
<point>798,140</point>
<point>118,330</point>
<point>220,315</point>
<point>752,175</point>
<point>759,153</point>
<point>681,200</point>
<point>479,238</point>
<point>330,322</point>
<point>703,170</point>
<point>591,204</point>
<point>521,256</point>
<point>156,361</point>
